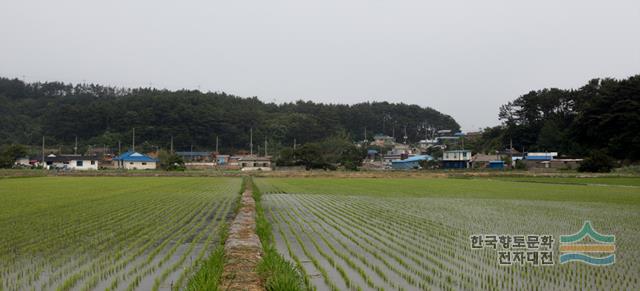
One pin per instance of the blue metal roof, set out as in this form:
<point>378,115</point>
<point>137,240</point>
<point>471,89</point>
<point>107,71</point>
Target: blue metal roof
<point>132,156</point>
<point>414,159</point>
<point>539,158</point>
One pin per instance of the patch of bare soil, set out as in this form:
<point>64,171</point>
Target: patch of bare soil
<point>243,249</point>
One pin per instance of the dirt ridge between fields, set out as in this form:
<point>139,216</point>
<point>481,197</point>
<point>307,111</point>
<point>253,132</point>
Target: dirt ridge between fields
<point>243,250</point>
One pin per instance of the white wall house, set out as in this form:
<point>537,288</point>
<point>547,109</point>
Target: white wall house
<point>458,155</point>
<point>253,163</point>
<point>72,162</point>
<point>83,164</point>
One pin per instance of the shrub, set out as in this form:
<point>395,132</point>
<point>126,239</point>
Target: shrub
<point>597,162</point>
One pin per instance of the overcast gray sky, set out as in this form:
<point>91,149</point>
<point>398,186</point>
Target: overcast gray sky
<point>464,58</point>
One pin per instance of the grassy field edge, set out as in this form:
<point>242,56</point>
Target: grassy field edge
<point>276,271</point>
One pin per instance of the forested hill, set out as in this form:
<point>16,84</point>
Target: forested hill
<point>603,115</point>
<point>101,115</point>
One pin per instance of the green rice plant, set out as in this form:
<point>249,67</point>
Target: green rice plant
<point>207,278</point>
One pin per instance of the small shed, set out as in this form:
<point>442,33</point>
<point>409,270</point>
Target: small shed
<point>222,159</point>
<point>498,165</point>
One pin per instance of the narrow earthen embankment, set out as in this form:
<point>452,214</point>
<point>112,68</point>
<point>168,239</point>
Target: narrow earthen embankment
<point>243,249</point>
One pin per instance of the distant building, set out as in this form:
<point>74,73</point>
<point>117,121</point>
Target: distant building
<point>234,161</point>
<point>410,163</point>
<point>458,159</point>
<point>538,159</point>
<point>541,156</point>
<point>71,162</point>
<point>222,160</point>
<point>255,163</point>
<point>23,162</point>
<point>496,165</point>
<point>196,156</point>
<point>135,161</point>
<point>564,163</point>
<point>479,161</point>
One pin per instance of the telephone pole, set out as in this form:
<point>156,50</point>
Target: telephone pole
<point>171,145</point>
<point>405,134</point>
<point>133,140</point>
<point>251,141</point>
<point>217,144</point>
<point>365,135</point>
<point>265,146</point>
<point>43,164</point>
<point>75,148</point>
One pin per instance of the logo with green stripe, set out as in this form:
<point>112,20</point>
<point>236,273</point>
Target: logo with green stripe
<point>588,246</point>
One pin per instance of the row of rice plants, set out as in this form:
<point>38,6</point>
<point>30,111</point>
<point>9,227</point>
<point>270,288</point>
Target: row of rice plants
<point>277,273</point>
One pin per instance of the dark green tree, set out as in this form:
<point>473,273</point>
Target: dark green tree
<point>10,153</point>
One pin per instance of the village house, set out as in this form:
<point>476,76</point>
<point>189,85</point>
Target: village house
<point>410,163</point>
<point>458,159</point>
<point>255,163</point>
<point>196,156</point>
<point>23,162</point>
<point>197,160</point>
<point>222,160</point>
<point>135,161</point>
<point>480,161</point>
<point>71,162</point>
<point>538,159</point>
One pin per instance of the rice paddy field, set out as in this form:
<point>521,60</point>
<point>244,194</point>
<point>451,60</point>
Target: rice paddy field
<point>414,234</point>
<point>109,233</point>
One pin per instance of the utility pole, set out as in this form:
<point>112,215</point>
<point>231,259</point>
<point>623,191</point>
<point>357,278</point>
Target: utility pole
<point>75,148</point>
<point>251,141</point>
<point>405,134</point>
<point>217,144</point>
<point>511,149</point>
<point>43,152</point>
<point>171,145</point>
<point>265,146</point>
<point>119,148</point>
<point>365,135</point>
<point>133,143</point>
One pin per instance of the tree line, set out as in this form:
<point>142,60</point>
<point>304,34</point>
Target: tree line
<point>600,118</point>
<point>103,116</point>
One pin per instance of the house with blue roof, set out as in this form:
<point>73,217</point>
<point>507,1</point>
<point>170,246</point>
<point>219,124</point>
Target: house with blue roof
<point>410,163</point>
<point>132,160</point>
